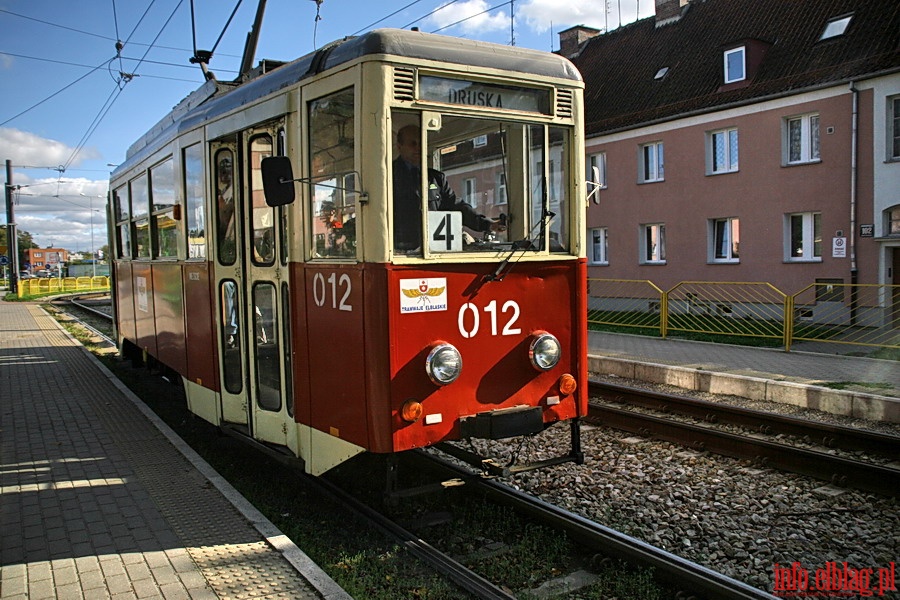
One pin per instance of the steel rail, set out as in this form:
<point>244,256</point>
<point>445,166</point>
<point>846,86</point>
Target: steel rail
<point>832,436</point>
<point>77,302</point>
<point>676,571</point>
<point>834,469</point>
<point>459,574</point>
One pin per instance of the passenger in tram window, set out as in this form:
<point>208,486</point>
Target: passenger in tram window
<point>225,201</point>
<point>407,194</point>
<point>341,237</point>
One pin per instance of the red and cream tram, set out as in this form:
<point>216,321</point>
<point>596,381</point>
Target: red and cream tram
<point>263,253</point>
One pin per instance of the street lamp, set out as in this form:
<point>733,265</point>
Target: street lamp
<point>93,256</point>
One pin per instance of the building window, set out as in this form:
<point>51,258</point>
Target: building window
<point>725,239</point>
<point>597,161</point>
<point>735,65</point>
<point>803,237</point>
<point>893,221</point>
<point>894,128</point>
<point>471,192</point>
<point>801,144</point>
<point>480,141</point>
<point>501,189</point>
<point>722,151</point>
<point>836,27</point>
<point>653,243</point>
<point>651,163</point>
<point>598,240</point>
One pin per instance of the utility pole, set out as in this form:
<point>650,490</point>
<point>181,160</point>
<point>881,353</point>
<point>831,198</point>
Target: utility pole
<point>12,240</point>
<point>512,22</point>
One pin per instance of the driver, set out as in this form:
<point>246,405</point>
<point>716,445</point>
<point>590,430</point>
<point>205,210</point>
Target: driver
<point>407,194</point>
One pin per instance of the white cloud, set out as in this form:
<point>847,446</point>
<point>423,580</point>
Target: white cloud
<point>539,15</point>
<point>472,17</point>
<point>6,61</point>
<point>27,149</point>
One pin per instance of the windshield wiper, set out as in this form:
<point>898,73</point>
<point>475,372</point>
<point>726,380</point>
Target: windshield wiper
<point>523,245</point>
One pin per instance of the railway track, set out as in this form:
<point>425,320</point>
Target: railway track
<point>690,580</point>
<point>759,443</point>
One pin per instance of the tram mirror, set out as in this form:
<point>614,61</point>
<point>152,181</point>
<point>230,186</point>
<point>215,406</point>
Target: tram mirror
<point>595,184</point>
<point>278,180</point>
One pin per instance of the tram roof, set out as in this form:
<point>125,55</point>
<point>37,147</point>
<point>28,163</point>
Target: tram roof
<point>215,98</point>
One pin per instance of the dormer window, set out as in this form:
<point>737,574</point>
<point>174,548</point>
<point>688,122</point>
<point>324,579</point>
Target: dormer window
<point>735,65</point>
<point>836,27</point>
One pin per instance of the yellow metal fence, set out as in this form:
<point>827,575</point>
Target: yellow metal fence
<point>860,314</point>
<point>40,286</point>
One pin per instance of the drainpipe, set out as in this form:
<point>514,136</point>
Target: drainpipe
<point>854,168</point>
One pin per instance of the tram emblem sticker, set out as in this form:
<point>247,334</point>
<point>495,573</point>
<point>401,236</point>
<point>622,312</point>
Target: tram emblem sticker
<point>423,295</point>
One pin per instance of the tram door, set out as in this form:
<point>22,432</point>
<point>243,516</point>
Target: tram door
<point>251,279</point>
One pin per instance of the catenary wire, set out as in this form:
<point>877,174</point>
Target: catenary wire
<point>399,10</point>
<point>117,92</point>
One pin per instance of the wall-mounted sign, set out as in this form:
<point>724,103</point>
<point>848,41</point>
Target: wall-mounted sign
<point>839,247</point>
<point>867,230</point>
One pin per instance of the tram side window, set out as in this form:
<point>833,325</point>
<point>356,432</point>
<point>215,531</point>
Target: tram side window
<point>140,216</point>
<point>263,214</point>
<point>333,173</point>
<point>194,205</point>
<point>123,222</point>
<point>225,217</point>
<point>165,232</point>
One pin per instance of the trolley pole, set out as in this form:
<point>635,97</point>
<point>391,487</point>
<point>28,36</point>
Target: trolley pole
<point>12,241</point>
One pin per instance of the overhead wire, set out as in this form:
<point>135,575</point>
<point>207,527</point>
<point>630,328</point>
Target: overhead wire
<point>370,25</point>
<point>469,17</point>
<point>441,7</point>
<point>104,110</point>
<point>96,35</point>
<point>56,93</point>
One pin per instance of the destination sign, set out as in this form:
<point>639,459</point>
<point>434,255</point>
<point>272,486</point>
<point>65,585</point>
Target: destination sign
<point>473,93</point>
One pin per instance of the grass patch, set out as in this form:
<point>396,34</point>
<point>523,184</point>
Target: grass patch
<point>846,385</point>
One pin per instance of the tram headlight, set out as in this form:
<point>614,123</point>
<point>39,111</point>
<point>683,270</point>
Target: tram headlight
<point>444,364</point>
<point>544,351</point>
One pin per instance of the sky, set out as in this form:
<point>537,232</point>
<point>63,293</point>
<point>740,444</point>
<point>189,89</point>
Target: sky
<point>71,104</point>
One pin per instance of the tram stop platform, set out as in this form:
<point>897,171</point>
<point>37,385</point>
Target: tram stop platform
<point>806,376</point>
<point>100,499</point>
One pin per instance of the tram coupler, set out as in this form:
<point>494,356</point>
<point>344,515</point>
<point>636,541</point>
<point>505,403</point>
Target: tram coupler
<point>393,493</point>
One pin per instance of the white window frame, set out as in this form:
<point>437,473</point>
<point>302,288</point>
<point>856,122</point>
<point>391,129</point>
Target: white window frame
<point>810,239</point>
<point>722,251</point>
<point>809,150</point>
<point>652,255</point>
<point>500,197</point>
<point>729,139</point>
<point>893,128</point>
<point>470,187</point>
<point>651,162</point>
<point>597,159</point>
<point>598,246</point>
<point>726,56</point>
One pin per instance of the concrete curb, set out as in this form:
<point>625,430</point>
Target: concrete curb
<point>807,395</point>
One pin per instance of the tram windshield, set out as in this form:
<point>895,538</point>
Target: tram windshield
<point>490,185</point>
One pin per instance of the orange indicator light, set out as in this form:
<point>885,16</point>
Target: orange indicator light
<point>411,411</point>
<point>567,384</point>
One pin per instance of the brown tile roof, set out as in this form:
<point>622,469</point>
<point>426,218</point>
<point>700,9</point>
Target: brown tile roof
<point>619,67</point>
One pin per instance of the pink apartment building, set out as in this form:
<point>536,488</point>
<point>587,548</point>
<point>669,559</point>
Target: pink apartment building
<point>745,140</point>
